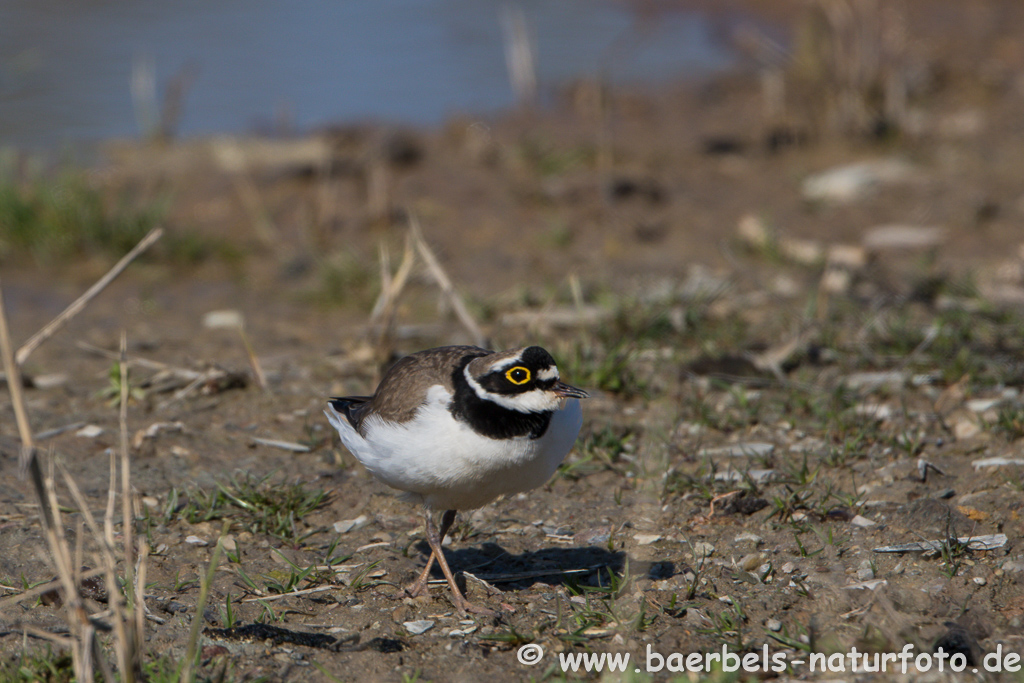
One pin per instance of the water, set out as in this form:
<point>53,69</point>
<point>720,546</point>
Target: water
<point>66,67</point>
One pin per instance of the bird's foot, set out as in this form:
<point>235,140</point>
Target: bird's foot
<point>464,607</point>
<point>417,588</point>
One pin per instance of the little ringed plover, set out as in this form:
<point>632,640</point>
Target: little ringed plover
<point>457,426</point>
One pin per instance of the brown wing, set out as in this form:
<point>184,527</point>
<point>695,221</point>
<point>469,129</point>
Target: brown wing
<point>404,387</point>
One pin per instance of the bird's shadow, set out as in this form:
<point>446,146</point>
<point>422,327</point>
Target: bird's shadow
<point>586,565</point>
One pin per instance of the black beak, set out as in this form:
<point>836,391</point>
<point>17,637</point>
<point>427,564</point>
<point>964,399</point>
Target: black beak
<point>565,391</point>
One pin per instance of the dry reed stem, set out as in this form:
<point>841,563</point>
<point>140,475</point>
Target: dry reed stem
<point>391,287</point>
<point>78,304</point>
<point>85,648</point>
<point>122,644</point>
<point>444,282</point>
<point>76,615</point>
<point>13,373</point>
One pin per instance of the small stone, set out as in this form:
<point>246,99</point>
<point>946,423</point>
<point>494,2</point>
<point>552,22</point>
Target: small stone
<point>853,181</point>
<point>347,525</point>
<point>1015,565</point>
<point>226,319</point>
<point>903,237</point>
<point>874,411</point>
<point>868,381</point>
<point>418,627</point>
<point>51,381</point>
<point>747,536</point>
<point>996,462</point>
<point>462,632</point>
<point>646,539</point>
<point>702,549</point>
<point>195,540</point>
<point>750,562</point>
<point>965,429</point>
<point>862,522</point>
<point>773,625</point>
<point>865,572</point>
<point>979,580</point>
<point>788,568</point>
<point>89,432</point>
<point>752,449</point>
<point>597,536</point>
<point>228,543</point>
<point>981,405</point>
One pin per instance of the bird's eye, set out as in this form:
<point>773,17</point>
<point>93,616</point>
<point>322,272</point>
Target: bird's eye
<point>518,375</point>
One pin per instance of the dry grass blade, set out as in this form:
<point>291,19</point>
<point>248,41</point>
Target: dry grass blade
<point>13,371</point>
<point>254,361</point>
<point>78,304</point>
<point>391,287</point>
<point>76,615</point>
<point>444,282</point>
<point>305,591</point>
<point>192,651</point>
<point>129,648</point>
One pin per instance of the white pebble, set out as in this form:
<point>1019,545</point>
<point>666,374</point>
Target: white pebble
<point>419,626</point>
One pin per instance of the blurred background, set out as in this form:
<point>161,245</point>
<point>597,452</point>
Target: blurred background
<point>106,69</point>
<point>781,242</point>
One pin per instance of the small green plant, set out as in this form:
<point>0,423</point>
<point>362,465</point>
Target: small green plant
<point>345,279</point>
<point>287,581</point>
<point>727,627</point>
<point>112,392</point>
<point>600,450</point>
<point>606,368</point>
<point>509,636</point>
<point>229,613</point>
<point>254,504</point>
<point>38,665</point>
<point>1010,422</point>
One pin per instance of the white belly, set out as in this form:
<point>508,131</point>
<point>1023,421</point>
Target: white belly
<point>446,465</point>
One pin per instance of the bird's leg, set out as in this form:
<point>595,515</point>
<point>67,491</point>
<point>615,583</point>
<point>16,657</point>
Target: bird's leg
<point>419,586</point>
<point>434,539</point>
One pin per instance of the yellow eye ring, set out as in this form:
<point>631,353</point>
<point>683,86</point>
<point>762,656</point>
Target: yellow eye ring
<point>518,375</point>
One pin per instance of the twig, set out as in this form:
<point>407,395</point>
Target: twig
<point>306,591</point>
<point>57,431</point>
<point>13,371</point>
<point>391,287</point>
<point>254,361</point>
<point>78,304</point>
<point>283,445</point>
<point>444,282</point>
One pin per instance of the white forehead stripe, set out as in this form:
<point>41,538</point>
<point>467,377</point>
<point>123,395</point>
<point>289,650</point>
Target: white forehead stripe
<point>548,373</point>
<point>507,363</point>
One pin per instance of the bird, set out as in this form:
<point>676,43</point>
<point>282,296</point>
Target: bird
<point>455,427</point>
